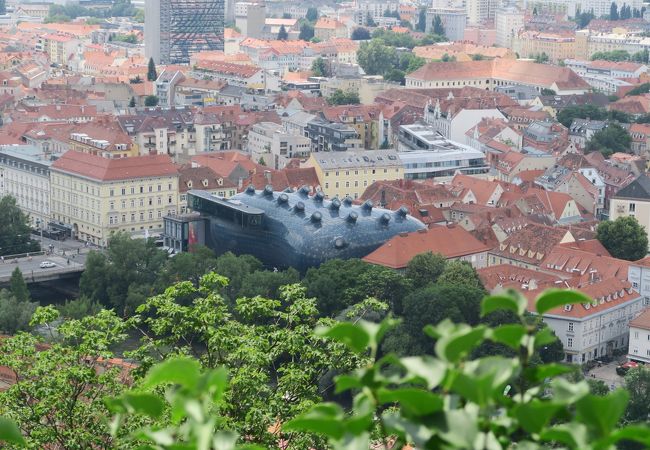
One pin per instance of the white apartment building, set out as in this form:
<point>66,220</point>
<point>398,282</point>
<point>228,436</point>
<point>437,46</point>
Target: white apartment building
<point>639,347</point>
<point>270,142</point>
<point>591,330</point>
<point>426,154</point>
<point>374,9</point>
<point>25,175</point>
<point>479,11</point>
<point>453,21</point>
<point>508,22</point>
<point>454,126</point>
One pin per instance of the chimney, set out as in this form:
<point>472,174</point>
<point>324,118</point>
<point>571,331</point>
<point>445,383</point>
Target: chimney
<point>240,184</point>
<point>267,176</point>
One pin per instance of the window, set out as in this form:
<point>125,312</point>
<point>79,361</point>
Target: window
<point>570,326</point>
<point>569,342</point>
<point>636,335</point>
<point>132,190</point>
<point>123,191</point>
<point>142,189</point>
<point>112,193</point>
<point>632,207</point>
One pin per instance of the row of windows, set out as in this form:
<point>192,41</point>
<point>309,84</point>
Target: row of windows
<point>347,184</point>
<point>356,172</point>
<point>141,203</point>
<point>114,219</point>
<point>140,190</point>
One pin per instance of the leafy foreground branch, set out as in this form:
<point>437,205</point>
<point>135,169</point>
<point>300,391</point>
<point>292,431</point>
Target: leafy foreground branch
<point>441,402</point>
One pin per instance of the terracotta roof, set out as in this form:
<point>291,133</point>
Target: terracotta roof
<point>532,243</point>
<point>642,320</point>
<point>507,276</point>
<point>503,69</point>
<point>451,242</point>
<point>576,262</point>
<point>105,169</point>
<point>292,178</point>
<point>605,294</point>
<point>224,163</point>
<point>482,189</point>
<point>202,178</point>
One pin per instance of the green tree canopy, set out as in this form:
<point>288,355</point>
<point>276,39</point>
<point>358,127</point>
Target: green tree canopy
<point>319,67</point>
<point>460,273</point>
<point>360,34</point>
<point>422,20</point>
<point>282,34</point>
<point>18,287</point>
<point>375,58</point>
<point>15,234</point>
<point>151,100</point>
<point>312,14</point>
<point>614,55</point>
<point>15,314</point>
<point>124,275</point>
<point>438,27</point>
<point>340,97</point>
<point>623,238</point>
<point>610,140</point>
<point>306,31</point>
<point>425,269</point>
<point>152,75</point>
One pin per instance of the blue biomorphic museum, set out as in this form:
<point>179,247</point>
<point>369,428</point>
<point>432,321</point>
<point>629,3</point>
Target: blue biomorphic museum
<point>285,229</point>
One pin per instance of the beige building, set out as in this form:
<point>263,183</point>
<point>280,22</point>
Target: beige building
<point>328,28</point>
<point>532,44</point>
<point>368,87</point>
<point>98,196</point>
<point>508,22</point>
<point>633,200</point>
<point>342,174</point>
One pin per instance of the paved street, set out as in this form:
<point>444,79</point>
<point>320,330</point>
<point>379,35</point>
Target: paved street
<point>607,373</point>
<point>63,251</point>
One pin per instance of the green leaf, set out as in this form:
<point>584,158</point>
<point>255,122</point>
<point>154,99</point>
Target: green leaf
<point>414,401</point>
<point>573,435</point>
<point>224,440</point>
<point>514,302</point>
<point>10,433</point>
<point>324,419</point>
<point>183,371</point>
<point>510,335</point>
<point>354,336</point>
<point>544,371</point>
<point>534,416</point>
<point>458,344</point>
<point>143,403</point>
<point>426,368</point>
<point>602,413</point>
<point>553,298</point>
<point>347,382</point>
<point>215,381</point>
<point>637,433</point>
<point>566,392</point>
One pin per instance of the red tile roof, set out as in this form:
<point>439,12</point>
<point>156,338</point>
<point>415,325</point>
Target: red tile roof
<point>577,262</point>
<point>507,276</point>
<point>105,169</point>
<point>482,189</point>
<point>451,242</point>
<point>642,320</point>
<point>605,294</point>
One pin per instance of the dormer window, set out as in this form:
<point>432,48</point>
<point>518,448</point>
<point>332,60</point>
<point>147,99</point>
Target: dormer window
<point>205,182</point>
<point>567,307</point>
<point>189,184</point>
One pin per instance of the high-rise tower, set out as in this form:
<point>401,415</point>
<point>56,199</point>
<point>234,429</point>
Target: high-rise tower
<point>176,29</point>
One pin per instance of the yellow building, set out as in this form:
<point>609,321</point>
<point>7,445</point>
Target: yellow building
<point>633,200</point>
<point>58,47</point>
<point>531,44</point>
<point>342,174</point>
<point>328,28</point>
<point>98,196</point>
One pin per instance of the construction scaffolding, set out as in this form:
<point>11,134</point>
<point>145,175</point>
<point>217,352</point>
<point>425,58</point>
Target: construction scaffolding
<point>188,27</point>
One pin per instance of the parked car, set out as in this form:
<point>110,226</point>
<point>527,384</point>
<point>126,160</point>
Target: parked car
<point>46,265</point>
<point>623,368</point>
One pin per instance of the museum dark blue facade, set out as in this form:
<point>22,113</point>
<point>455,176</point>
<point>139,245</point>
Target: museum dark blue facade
<point>294,229</point>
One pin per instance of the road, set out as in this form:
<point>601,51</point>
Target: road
<point>65,254</point>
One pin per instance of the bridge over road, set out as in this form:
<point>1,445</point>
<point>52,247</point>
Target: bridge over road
<point>66,267</point>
